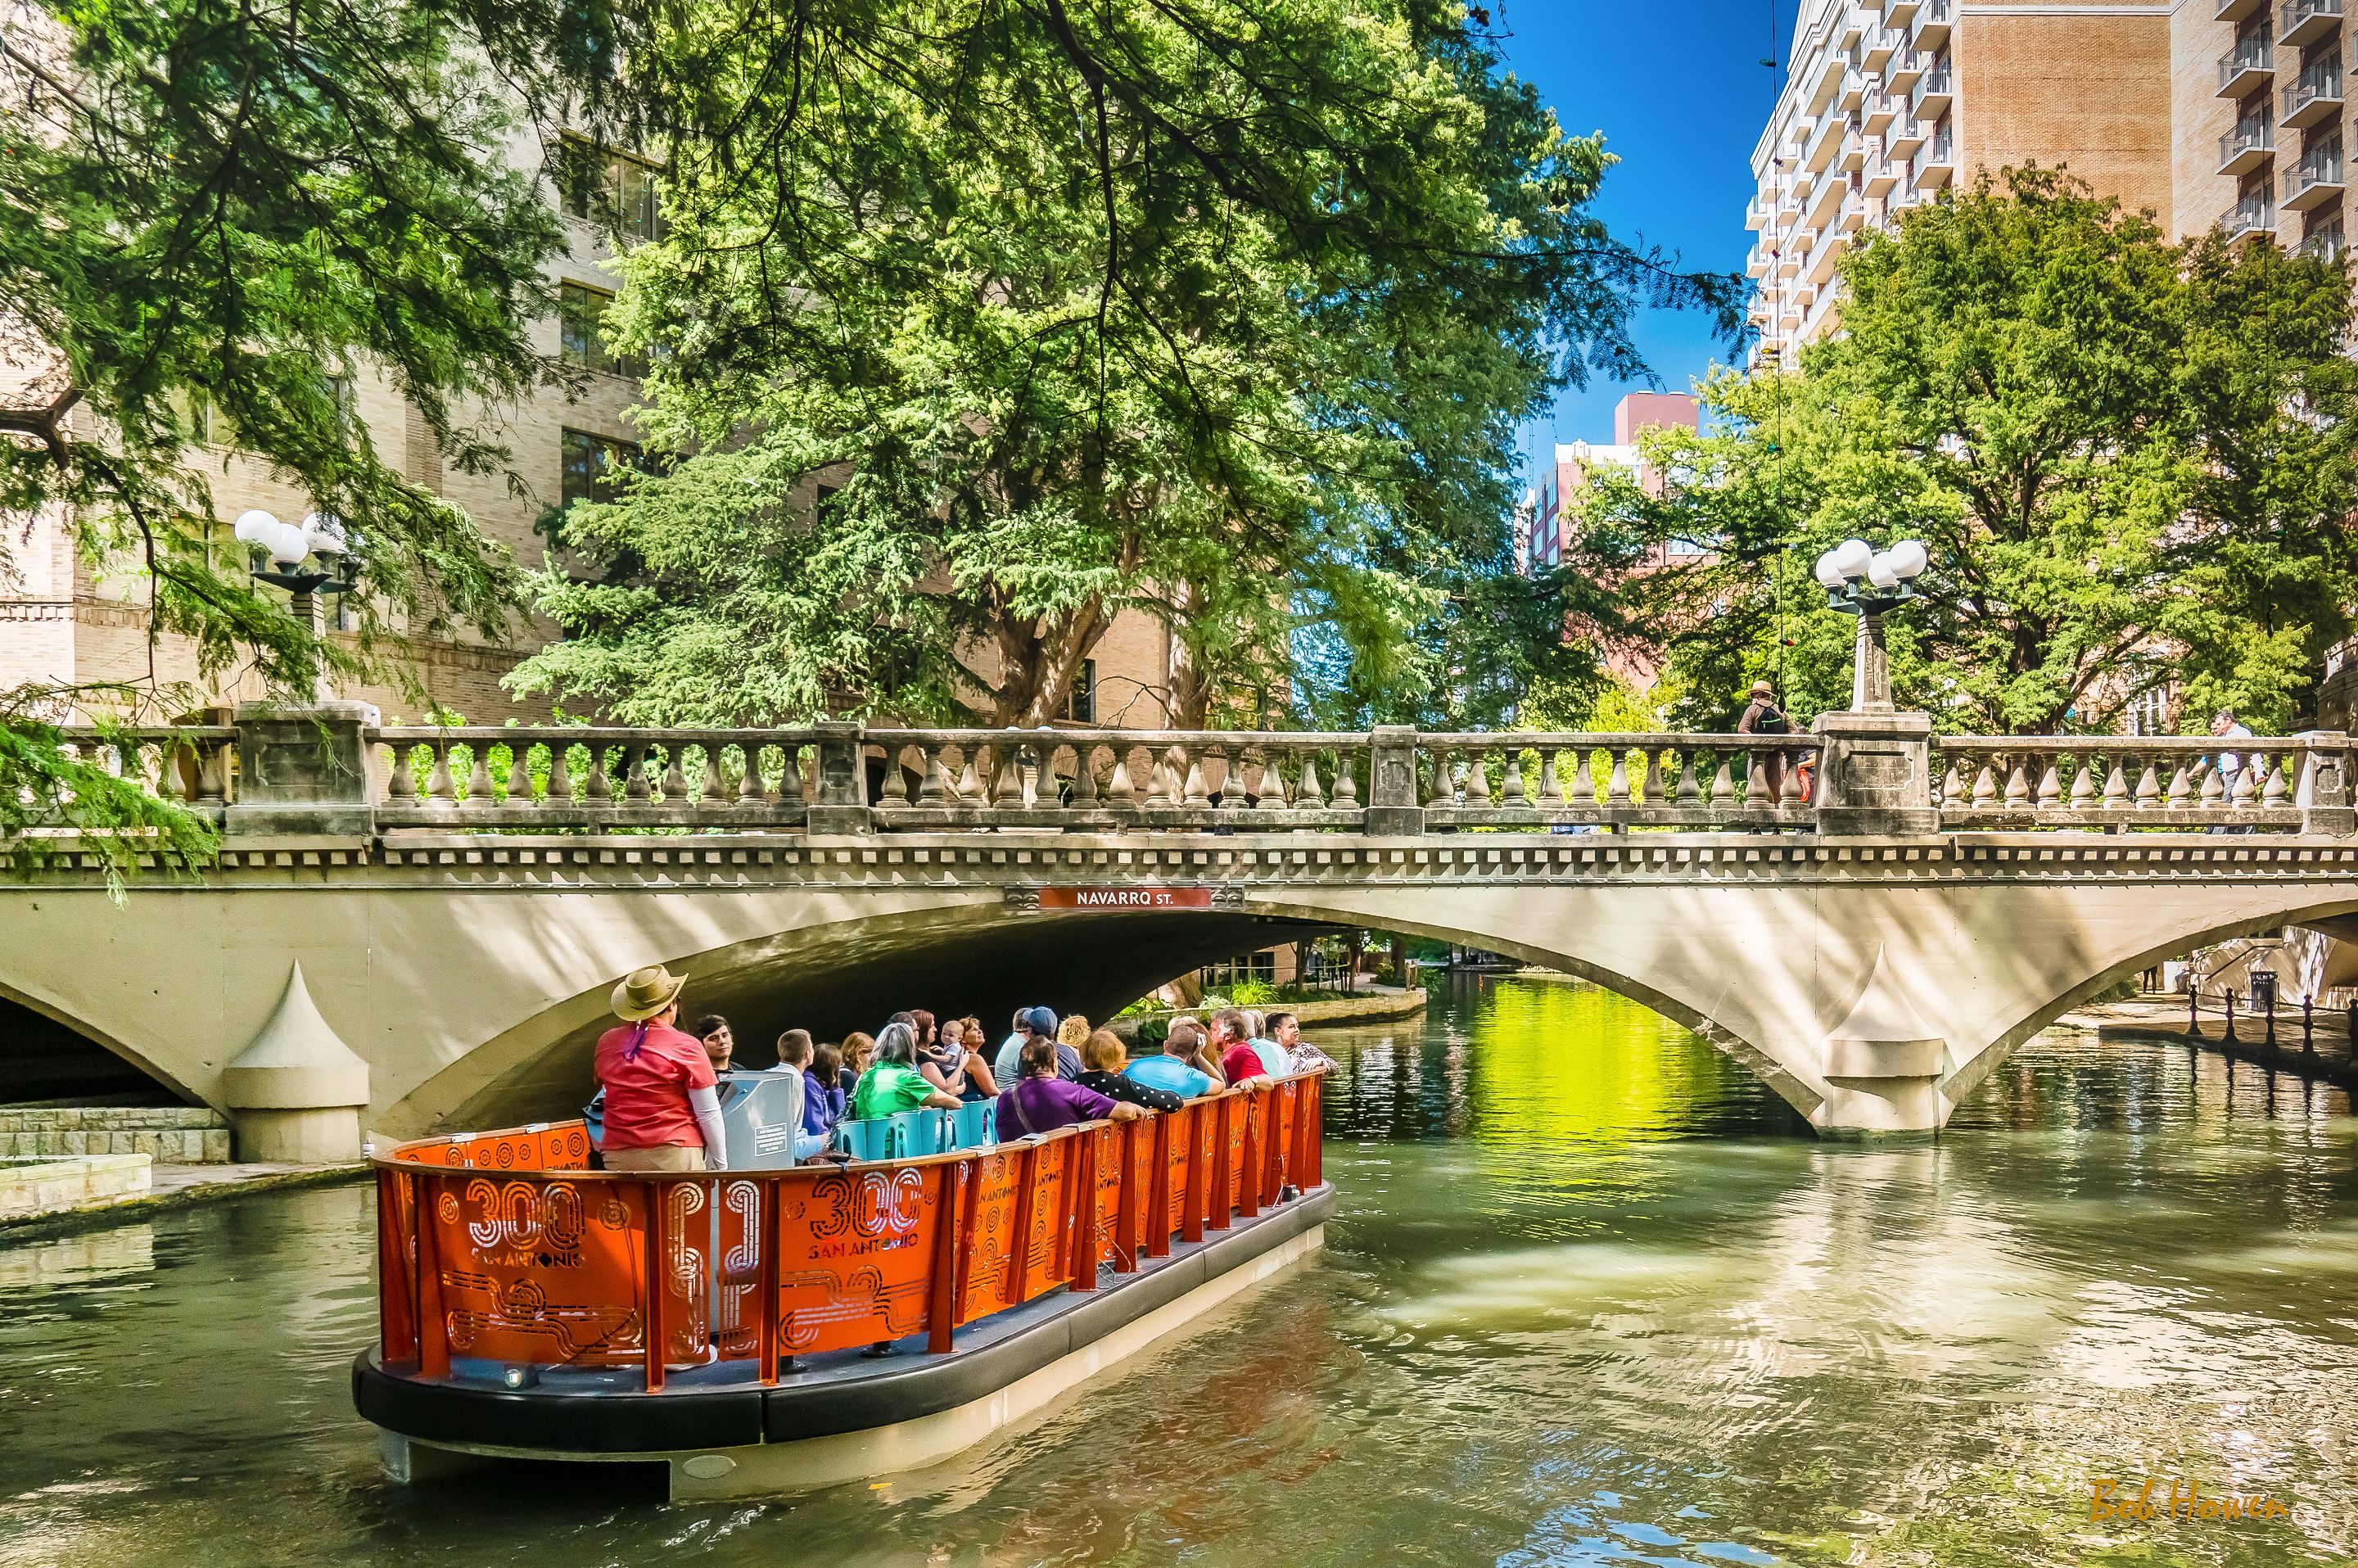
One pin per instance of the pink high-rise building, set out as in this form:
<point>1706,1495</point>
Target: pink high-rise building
<point>1560,484</point>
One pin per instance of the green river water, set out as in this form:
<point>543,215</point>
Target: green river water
<point>1592,1296</point>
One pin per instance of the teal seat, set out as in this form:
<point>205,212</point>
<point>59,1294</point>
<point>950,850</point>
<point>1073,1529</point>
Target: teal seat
<point>868,1139</point>
<point>978,1124</point>
<point>918,1133</point>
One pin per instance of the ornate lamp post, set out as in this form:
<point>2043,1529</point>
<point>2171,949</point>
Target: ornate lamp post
<point>1862,581</point>
<point>319,537</point>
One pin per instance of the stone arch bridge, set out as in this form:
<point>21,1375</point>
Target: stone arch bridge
<point>426,924</point>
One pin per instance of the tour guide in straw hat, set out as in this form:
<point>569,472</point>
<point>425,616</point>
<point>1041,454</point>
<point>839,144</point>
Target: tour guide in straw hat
<point>663,1103</point>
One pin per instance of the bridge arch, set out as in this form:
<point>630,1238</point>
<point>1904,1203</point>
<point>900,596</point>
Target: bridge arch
<point>51,1054</point>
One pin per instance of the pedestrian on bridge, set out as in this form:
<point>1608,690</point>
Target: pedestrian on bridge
<point>663,1104</point>
<point>1763,717</point>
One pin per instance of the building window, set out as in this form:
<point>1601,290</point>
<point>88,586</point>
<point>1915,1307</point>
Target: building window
<point>1260,965</point>
<point>1081,703</point>
<point>590,463</point>
<point>612,190</point>
<point>581,326</point>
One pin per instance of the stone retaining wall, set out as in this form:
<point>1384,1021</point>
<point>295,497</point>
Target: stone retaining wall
<point>53,1187</point>
<point>171,1135</point>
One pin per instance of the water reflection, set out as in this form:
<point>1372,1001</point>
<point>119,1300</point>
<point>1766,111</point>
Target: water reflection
<point>1593,1296</point>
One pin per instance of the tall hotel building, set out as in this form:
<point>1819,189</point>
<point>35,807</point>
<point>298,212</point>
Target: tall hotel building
<point>2201,111</point>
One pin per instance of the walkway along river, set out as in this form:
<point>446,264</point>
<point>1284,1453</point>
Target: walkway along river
<point>1590,1296</point>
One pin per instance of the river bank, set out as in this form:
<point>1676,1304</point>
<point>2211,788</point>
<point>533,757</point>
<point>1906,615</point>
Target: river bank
<point>1386,1006</point>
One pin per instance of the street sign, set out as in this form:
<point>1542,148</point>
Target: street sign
<point>1097,898</point>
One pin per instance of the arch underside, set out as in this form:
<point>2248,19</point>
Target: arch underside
<point>47,1055</point>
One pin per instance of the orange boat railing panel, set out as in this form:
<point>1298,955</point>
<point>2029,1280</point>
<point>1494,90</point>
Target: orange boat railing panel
<point>504,1247</point>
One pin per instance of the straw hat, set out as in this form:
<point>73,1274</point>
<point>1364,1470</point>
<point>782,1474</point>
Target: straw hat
<point>1762,688</point>
<point>643,993</point>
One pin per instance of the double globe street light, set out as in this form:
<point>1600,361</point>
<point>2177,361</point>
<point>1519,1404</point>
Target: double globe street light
<point>1870,583</point>
<point>319,537</point>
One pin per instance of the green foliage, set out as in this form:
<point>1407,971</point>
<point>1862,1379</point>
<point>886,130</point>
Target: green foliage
<point>87,800</point>
<point>2133,463</point>
<point>979,326</point>
<point>223,218</point>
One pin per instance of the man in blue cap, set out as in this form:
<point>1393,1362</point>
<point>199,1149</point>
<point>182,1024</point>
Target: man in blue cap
<point>1034,1023</point>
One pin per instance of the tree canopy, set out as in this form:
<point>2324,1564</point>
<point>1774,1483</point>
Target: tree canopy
<point>975,326</point>
<point>2134,463</point>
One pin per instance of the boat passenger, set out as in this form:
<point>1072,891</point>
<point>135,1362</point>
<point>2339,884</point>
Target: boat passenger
<point>859,1055</point>
<point>1273,1058</point>
<point>1035,1023</point>
<point>1102,1059</point>
<point>795,1054</point>
<point>1172,1070</point>
<point>894,1085</point>
<point>826,1068</point>
<point>662,1100</point>
<point>1239,1062</point>
<point>1301,1056</point>
<point>973,1080</point>
<point>1041,1102</point>
<point>719,1041</point>
<point>1071,1036</point>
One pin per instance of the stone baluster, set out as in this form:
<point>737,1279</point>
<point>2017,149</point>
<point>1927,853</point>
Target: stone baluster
<point>1616,784</point>
<point>1689,792</point>
<point>1789,787</point>
<point>969,779</point>
<point>1723,783</point>
<point>400,784</point>
<point>1985,785</point>
<point>601,784</point>
<point>1440,788</point>
<point>1346,783</point>
<point>2182,789</point>
<point>1649,782</point>
<point>2017,783</point>
<point>636,788</point>
<point>560,775</point>
<point>2116,786</point>
<point>675,777</point>
<point>2148,786</point>
<point>1550,782</point>
<point>2214,793</point>
<point>2246,795</point>
<point>519,772</point>
<point>1268,782</point>
<point>1085,775</point>
<point>439,789</point>
<point>708,784</point>
<point>1309,795</point>
<point>1198,790</point>
<point>749,774</point>
<point>1953,789</point>
<point>1006,777</point>
<point>479,776</point>
<point>2274,790</point>
<point>2050,782</point>
<point>1121,789</point>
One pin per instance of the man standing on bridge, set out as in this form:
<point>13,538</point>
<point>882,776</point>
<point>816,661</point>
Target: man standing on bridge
<point>1763,717</point>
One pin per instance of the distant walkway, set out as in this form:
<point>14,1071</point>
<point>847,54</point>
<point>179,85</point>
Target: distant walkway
<point>2164,1019</point>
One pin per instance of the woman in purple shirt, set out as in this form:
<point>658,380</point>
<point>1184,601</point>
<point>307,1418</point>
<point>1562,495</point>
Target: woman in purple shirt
<point>1041,1102</point>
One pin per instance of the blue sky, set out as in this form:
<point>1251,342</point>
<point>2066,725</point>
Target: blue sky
<point>1680,92</point>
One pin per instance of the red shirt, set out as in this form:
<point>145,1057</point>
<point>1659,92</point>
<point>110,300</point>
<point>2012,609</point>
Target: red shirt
<point>1242,1062</point>
<point>647,1069</point>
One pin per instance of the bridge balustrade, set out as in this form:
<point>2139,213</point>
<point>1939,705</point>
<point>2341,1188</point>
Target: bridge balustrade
<point>504,1248</point>
<point>850,778</point>
<point>2109,782</point>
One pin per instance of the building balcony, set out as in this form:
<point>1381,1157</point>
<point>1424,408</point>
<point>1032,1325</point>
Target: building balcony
<point>1823,203</point>
<point>2250,66</point>
<point>1932,20</point>
<point>1823,143</point>
<point>2254,215</point>
<point>1936,165</point>
<point>2251,144</point>
<point>1852,218</point>
<point>1853,93</point>
<point>1934,91</point>
<point>2324,245</point>
<point>2237,10</point>
<point>1906,66</point>
<point>1877,112</point>
<point>2313,182</point>
<point>1879,44</point>
<point>1758,261</point>
<point>1877,175</point>
<point>2305,22</point>
<point>1760,212</point>
<point>1906,133</point>
<point>1900,14</point>
<point>1852,155</point>
<point>1825,76</point>
<point>2314,99</point>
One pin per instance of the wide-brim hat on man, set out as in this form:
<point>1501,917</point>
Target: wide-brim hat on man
<point>1762,688</point>
<point>643,993</point>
